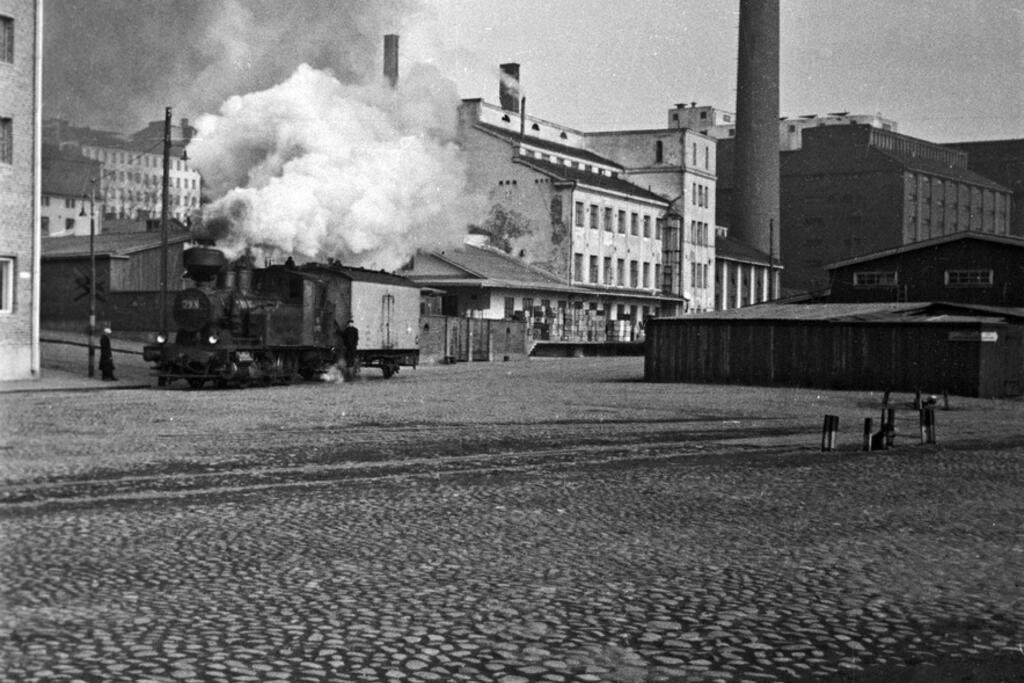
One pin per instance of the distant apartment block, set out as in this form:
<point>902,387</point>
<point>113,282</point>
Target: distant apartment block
<point>129,185</point>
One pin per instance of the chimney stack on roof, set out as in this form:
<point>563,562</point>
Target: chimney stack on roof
<point>391,58</point>
<point>508,88</point>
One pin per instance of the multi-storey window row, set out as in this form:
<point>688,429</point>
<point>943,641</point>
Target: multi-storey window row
<point>590,215</point>
<point>587,269</point>
<point>948,203</point>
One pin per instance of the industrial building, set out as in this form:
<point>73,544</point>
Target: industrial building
<point>964,267</point>
<point>580,219</point>
<point>679,165</point>
<point>1003,162</point>
<point>854,190</point>
<point>21,83</point>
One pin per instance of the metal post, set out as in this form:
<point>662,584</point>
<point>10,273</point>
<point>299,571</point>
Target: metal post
<point>92,280</point>
<point>164,200</point>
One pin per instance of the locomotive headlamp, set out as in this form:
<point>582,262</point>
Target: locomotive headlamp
<point>160,339</point>
<point>212,339</point>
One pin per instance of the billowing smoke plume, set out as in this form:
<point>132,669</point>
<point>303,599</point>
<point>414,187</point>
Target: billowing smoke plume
<point>115,64</point>
<point>318,169</point>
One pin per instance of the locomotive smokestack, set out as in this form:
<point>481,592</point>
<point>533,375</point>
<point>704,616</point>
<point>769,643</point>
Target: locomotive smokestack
<point>202,264</point>
<point>391,58</point>
<point>508,88</point>
<point>757,127</point>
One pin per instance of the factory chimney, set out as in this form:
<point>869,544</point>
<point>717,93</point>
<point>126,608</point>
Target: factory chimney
<point>508,88</point>
<point>756,218</point>
<point>391,58</point>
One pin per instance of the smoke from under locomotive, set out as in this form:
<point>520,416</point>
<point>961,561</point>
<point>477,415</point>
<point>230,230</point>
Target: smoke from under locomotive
<point>365,174</point>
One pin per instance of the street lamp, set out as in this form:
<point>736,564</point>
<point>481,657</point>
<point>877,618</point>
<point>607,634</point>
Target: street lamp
<point>92,274</point>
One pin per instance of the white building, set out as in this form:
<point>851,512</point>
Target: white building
<point>582,219</point>
<point>64,207</point>
<point>719,124</point>
<point>130,184</point>
<point>680,165</point>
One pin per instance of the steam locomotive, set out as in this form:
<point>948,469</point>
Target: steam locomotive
<point>240,325</point>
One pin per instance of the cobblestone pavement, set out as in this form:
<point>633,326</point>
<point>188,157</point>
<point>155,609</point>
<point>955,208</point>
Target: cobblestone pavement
<point>535,521</point>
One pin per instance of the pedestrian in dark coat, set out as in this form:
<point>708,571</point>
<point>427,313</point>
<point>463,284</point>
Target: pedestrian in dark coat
<point>106,356</point>
<point>350,348</point>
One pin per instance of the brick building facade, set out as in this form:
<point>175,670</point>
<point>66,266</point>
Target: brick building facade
<point>20,83</point>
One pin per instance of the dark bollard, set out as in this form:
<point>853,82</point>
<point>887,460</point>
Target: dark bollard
<point>828,433</point>
<point>867,433</point>
<point>889,426</point>
<point>927,425</point>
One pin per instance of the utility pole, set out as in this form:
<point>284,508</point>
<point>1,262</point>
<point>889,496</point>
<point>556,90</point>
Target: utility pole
<point>164,200</point>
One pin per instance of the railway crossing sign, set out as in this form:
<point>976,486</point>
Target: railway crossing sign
<point>84,281</point>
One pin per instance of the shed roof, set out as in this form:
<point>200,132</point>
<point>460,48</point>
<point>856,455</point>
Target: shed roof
<point>533,141</point>
<point>734,250</point>
<point>359,274</point>
<point>1005,240</point>
<point>115,244</point>
<point>591,179</point>
<point>911,311</point>
<point>490,268</point>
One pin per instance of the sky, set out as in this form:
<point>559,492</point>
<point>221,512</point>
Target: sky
<point>944,70</point>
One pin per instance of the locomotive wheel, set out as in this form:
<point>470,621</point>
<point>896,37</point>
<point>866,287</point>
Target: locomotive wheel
<point>389,370</point>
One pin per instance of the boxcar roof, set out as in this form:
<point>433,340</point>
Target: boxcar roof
<point>360,274</point>
<point>116,244</point>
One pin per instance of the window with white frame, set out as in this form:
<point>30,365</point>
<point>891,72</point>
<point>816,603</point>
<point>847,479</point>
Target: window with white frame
<point>874,279</point>
<point>976,277</point>
<point>6,284</point>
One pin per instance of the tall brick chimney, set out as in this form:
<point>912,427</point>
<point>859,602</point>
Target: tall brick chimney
<point>757,127</point>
